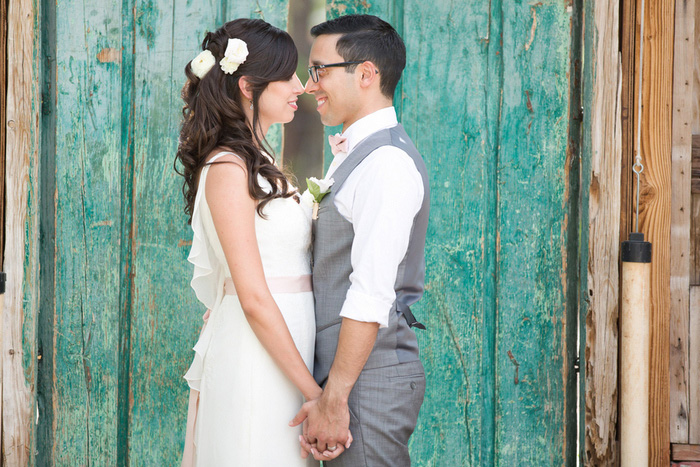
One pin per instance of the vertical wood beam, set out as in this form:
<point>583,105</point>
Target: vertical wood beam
<point>655,207</point>
<point>22,240</point>
<point>680,217</point>
<point>602,127</point>
<point>694,331</point>
<point>3,107</point>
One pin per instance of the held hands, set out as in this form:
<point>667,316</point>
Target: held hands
<point>325,428</point>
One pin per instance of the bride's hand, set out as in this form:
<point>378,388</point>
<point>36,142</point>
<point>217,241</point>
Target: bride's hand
<point>326,455</point>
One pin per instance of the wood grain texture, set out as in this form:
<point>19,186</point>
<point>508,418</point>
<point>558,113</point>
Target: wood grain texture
<point>680,217</point>
<point>458,351</point>
<point>21,261</point>
<point>694,367</point>
<point>655,207</point>
<point>534,317</point>
<point>685,452</point>
<point>87,212</point>
<point>602,142</point>
<point>3,125</point>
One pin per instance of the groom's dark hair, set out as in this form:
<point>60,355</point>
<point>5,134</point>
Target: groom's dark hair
<point>366,37</point>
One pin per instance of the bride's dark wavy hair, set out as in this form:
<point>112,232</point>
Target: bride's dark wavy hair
<point>213,113</point>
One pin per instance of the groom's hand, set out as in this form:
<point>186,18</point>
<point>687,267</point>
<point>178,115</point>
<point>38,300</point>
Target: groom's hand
<point>327,422</point>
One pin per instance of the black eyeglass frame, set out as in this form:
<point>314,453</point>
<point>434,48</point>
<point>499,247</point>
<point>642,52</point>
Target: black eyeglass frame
<point>313,69</point>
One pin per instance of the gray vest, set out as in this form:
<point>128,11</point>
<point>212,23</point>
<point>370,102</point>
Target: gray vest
<point>333,237</point>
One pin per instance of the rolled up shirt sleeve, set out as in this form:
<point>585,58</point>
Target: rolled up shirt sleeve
<point>384,201</point>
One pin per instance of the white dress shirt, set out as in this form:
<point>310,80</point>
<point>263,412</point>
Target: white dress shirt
<point>381,197</point>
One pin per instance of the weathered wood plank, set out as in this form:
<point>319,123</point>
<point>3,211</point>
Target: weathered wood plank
<point>694,367</point>
<point>602,143</point>
<point>46,316</point>
<point>685,452</point>
<point>535,324</point>
<point>87,227</point>
<point>21,259</point>
<point>680,217</point>
<point>458,307</point>
<point>3,107</point>
<point>655,207</point>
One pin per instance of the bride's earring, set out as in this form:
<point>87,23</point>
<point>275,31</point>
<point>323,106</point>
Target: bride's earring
<point>251,105</point>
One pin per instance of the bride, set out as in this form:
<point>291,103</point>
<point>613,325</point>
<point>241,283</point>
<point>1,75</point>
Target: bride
<point>250,250</point>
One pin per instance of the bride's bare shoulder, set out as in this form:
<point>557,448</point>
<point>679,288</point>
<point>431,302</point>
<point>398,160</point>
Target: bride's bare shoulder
<point>225,155</point>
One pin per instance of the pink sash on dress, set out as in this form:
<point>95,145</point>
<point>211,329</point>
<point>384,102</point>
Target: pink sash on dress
<point>291,284</point>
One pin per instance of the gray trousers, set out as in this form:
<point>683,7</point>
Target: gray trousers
<point>384,406</point>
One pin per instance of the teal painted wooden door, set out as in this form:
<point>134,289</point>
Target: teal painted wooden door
<point>486,98</point>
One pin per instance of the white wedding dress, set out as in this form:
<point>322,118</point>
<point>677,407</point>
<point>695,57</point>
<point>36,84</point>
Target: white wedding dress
<point>245,401</point>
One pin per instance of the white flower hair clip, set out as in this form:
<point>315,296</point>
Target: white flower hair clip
<point>235,55</point>
<point>202,63</point>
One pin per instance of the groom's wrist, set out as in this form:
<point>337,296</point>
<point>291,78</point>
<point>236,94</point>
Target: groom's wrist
<point>337,391</point>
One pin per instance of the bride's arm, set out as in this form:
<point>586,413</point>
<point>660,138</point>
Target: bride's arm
<point>233,212</point>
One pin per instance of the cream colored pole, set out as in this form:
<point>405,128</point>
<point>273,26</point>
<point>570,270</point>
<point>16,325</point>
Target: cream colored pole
<point>634,352</point>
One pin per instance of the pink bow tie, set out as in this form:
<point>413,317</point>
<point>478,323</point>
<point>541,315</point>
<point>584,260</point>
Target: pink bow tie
<point>338,143</point>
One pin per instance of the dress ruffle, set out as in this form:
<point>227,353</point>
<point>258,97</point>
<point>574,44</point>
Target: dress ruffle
<point>196,370</point>
<point>207,282</point>
<point>202,256</point>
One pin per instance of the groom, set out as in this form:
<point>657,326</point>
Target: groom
<point>369,240</point>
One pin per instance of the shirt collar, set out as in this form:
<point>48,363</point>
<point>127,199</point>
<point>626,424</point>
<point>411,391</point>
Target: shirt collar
<point>369,124</point>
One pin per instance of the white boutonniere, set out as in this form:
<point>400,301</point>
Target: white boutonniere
<point>318,189</point>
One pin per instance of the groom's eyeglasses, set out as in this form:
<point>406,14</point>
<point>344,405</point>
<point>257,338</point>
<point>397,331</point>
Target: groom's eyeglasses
<point>313,70</point>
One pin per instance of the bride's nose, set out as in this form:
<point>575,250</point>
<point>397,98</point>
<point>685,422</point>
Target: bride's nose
<point>298,87</point>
